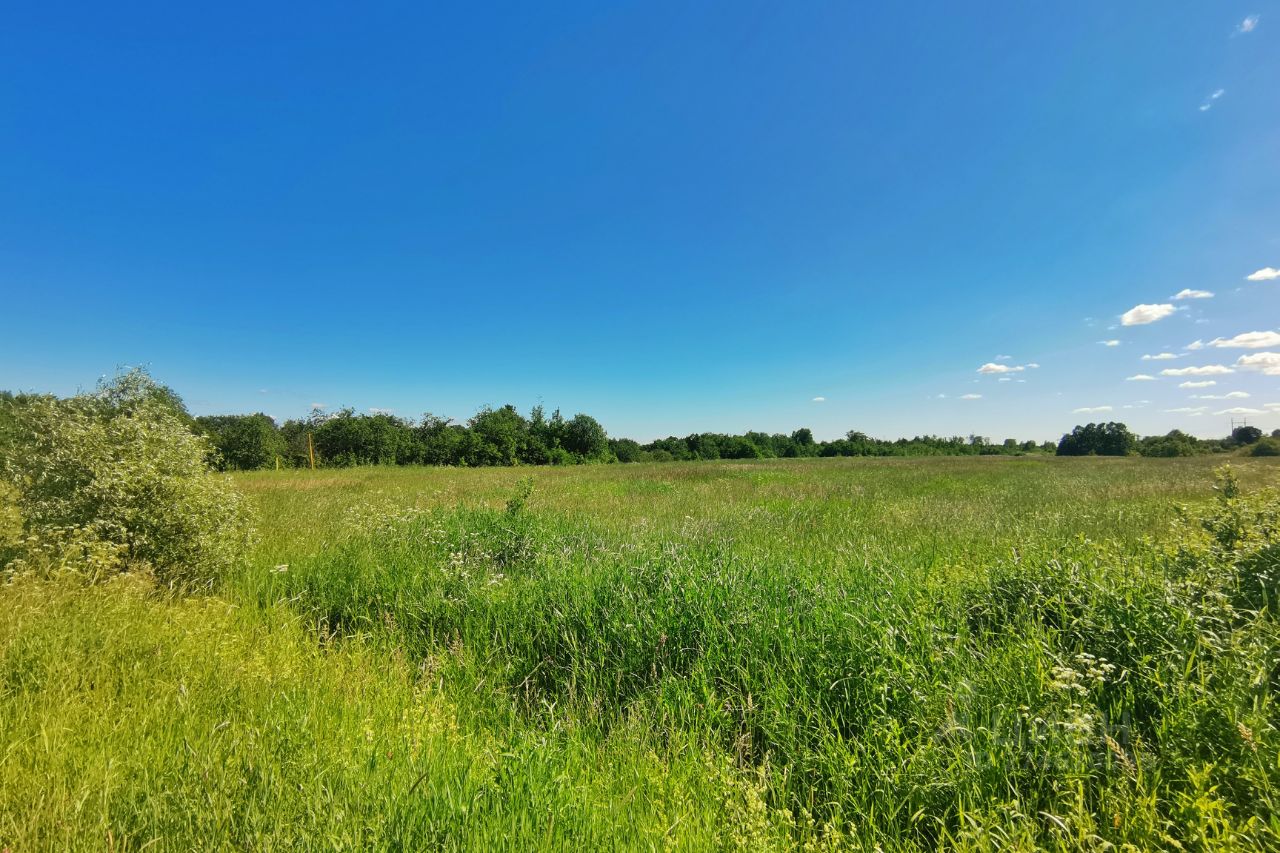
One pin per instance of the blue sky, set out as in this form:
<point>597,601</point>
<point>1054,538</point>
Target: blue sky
<point>676,217</point>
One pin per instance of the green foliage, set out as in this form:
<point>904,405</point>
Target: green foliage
<point>243,442</point>
<point>115,480</point>
<point>1243,435</point>
<point>1106,439</point>
<point>1174,443</point>
<point>1266,447</point>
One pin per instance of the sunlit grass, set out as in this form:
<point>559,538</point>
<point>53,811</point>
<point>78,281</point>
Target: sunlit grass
<point>903,653</point>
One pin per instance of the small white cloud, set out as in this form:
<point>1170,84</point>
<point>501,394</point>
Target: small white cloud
<point>1160,356</point>
<point>1264,274</point>
<point>1264,362</point>
<point>942,396</point>
<point>1249,24</point>
<point>1230,395</point>
<point>315,407</point>
<point>374,410</point>
<point>1005,379</point>
<point>1089,410</point>
<point>1139,377</point>
<point>819,399</point>
<point>1203,383</point>
<point>1187,410</point>
<point>1217,93</point>
<point>1031,365</point>
<point>1203,370</point>
<point>1195,345</point>
<point>1188,293</point>
<point>1111,343</point>
<point>1003,357</point>
<point>1240,410</point>
<point>992,368</point>
<point>1248,340</point>
<point>262,391</point>
<point>970,396</point>
<point>1141,315</point>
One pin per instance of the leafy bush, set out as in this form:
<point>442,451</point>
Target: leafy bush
<point>115,480</point>
<point>1266,447</point>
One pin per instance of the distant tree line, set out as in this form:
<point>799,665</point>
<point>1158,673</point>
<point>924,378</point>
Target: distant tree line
<point>503,436</point>
<point>1115,439</point>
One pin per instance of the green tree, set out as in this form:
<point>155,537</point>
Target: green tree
<point>1104,439</point>
<point>243,442</point>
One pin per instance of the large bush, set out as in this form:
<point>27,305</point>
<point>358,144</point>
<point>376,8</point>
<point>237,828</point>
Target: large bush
<point>115,480</point>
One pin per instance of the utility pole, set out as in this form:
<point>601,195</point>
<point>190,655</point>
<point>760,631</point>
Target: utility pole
<point>311,451</point>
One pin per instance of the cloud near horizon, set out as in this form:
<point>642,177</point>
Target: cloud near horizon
<point>1188,293</point>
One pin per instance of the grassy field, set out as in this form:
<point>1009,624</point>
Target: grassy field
<point>905,654</point>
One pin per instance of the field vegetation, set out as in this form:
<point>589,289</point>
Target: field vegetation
<point>896,654</point>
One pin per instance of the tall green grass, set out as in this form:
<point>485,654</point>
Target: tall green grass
<point>902,654</point>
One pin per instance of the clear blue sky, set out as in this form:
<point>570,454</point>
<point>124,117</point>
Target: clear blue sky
<point>674,216</point>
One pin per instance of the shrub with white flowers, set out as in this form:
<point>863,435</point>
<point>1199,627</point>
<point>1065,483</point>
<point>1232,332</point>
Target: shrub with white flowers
<point>115,480</point>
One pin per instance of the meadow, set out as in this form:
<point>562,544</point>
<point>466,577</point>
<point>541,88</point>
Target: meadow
<point>969,653</point>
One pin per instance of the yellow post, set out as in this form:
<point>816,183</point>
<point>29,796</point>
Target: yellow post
<point>277,461</point>
<point>311,451</point>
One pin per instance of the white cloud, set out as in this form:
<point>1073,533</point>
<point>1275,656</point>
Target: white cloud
<point>374,410</point>
<point>1240,410</point>
<point>1264,362</point>
<point>1249,24</point>
<point>1141,315</point>
<point>1204,370</point>
<point>1031,365</point>
<point>315,407</point>
<point>970,396</point>
<point>1195,345</point>
<point>1110,343</point>
<point>1208,101</point>
<point>819,399</point>
<point>1160,356</point>
<point>1264,274</point>
<point>1187,410</point>
<point>1005,379</point>
<point>262,391</point>
<point>1139,377</point>
<point>1203,383</point>
<point>1089,410</point>
<point>992,368</point>
<point>1003,357</point>
<point>1248,340</point>
<point>1230,395</point>
<point>1188,293</point>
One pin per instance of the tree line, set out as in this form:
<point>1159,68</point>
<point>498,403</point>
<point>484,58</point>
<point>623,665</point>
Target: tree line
<point>504,436</point>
